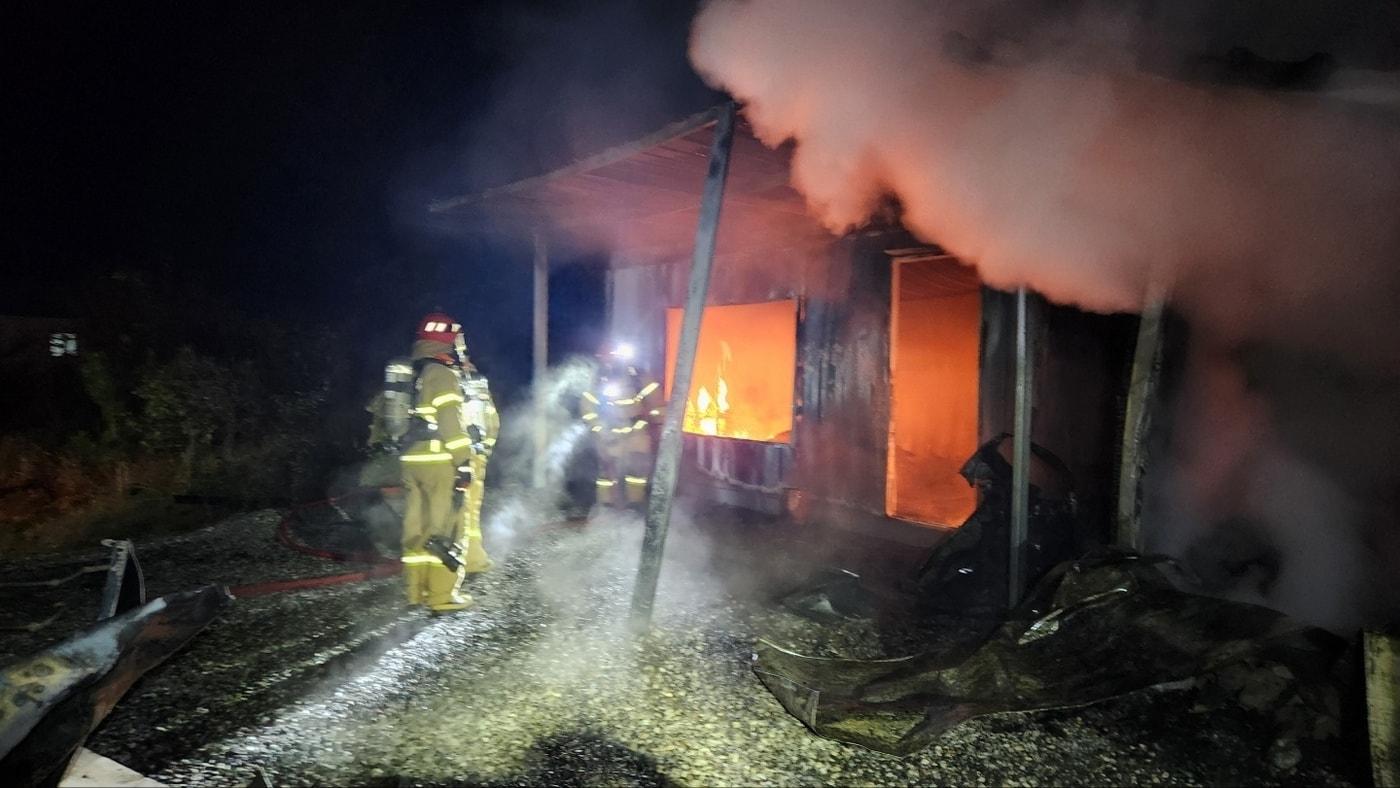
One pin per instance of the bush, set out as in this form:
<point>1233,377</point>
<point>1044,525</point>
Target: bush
<point>167,399</point>
<point>193,423</point>
<point>233,434</point>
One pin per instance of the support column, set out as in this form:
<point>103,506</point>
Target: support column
<point>541,359</point>
<point>1137,423</point>
<point>663,475</point>
<point>1021,452</point>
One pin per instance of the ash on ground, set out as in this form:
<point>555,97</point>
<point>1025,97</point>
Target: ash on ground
<point>541,684</point>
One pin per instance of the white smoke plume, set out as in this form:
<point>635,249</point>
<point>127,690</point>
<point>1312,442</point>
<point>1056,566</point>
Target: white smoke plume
<point>1059,166</point>
<point>1048,145</point>
<point>514,508</point>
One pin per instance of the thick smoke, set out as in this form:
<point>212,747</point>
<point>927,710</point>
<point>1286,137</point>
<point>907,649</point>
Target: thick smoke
<point>1095,155</point>
<point>1049,161</point>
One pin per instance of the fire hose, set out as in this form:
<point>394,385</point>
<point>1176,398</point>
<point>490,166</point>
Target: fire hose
<point>380,565</point>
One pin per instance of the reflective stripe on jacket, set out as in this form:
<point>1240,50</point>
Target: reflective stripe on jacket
<point>619,407</point>
<point>438,400</point>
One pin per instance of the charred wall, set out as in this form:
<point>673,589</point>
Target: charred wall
<point>1080,377</point>
<point>843,350</point>
<point>835,466</point>
<point>841,396</point>
<point>1081,385</point>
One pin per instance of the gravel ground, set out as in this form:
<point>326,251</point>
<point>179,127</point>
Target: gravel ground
<point>233,552</point>
<point>539,685</point>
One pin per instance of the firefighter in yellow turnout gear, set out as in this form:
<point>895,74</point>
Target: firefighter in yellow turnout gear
<point>480,415</point>
<point>620,410</point>
<point>436,461</point>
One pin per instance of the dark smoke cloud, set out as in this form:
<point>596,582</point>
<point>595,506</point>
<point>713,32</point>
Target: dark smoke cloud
<point>1106,154</point>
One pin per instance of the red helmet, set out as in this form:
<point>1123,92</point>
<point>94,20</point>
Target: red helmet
<point>439,327</point>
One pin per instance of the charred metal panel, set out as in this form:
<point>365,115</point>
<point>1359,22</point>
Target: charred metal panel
<point>842,432</point>
<point>1081,375</point>
<point>747,474</point>
<point>1080,371</point>
<point>50,702</point>
<point>998,374</point>
<point>761,467</point>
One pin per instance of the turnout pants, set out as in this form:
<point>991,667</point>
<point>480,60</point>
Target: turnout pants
<point>476,559</point>
<point>429,511</point>
<point>624,469</point>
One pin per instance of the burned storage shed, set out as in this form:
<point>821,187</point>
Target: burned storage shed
<point>838,380</point>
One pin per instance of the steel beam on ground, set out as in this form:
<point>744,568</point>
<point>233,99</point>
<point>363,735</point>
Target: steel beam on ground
<point>664,473</point>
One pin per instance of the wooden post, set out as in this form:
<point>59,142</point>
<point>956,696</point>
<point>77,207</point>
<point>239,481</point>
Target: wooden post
<point>668,453</point>
<point>541,358</point>
<point>1382,670</point>
<point>1137,422</point>
<point>1021,452</point>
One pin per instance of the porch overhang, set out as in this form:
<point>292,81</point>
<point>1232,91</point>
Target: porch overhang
<point>638,203</point>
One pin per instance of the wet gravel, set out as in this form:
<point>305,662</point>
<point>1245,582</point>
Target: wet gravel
<point>236,551</point>
<point>540,684</point>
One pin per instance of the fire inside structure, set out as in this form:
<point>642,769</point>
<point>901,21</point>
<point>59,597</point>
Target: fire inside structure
<point>841,381</point>
<point>935,325</point>
<point>745,364</point>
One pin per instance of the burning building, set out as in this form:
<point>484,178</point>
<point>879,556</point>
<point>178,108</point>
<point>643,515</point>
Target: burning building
<point>838,380</point>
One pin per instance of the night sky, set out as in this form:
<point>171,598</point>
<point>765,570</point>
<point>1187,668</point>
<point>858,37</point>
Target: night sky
<point>281,156</point>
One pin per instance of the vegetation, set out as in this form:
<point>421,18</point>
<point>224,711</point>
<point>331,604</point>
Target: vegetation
<point>237,410</point>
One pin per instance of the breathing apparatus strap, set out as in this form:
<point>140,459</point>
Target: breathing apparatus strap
<point>419,428</point>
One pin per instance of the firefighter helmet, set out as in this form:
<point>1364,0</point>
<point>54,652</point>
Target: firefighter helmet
<point>439,327</point>
<point>615,359</point>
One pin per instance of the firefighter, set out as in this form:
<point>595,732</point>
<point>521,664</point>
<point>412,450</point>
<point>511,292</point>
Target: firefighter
<point>484,425</point>
<point>620,411</point>
<point>437,467</point>
<point>381,467</point>
<point>389,418</point>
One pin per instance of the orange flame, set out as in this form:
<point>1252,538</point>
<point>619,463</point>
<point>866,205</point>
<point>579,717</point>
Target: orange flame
<point>741,390</point>
<point>706,413</point>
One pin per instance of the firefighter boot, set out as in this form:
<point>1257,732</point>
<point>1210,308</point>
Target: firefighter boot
<point>636,491</point>
<point>607,492</point>
<point>443,585</point>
